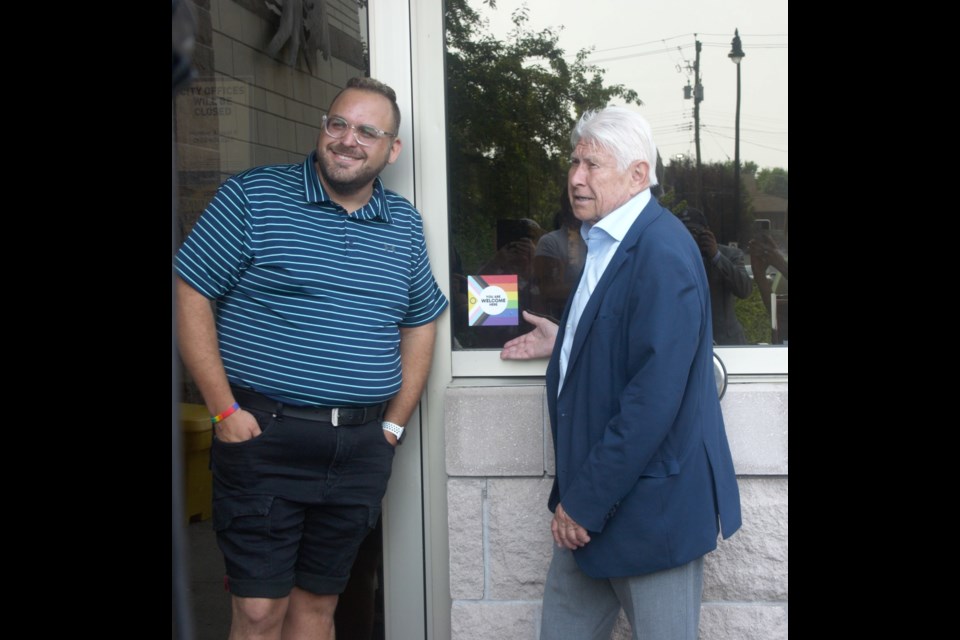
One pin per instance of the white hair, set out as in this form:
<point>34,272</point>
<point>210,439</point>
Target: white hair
<point>625,134</point>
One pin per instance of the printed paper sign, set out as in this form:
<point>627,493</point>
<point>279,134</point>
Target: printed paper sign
<point>492,301</point>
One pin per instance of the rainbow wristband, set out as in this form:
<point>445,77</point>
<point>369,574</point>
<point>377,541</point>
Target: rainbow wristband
<point>226,414</point>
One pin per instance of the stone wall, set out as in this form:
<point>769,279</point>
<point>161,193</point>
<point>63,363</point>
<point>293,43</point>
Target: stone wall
<point>500,466</point>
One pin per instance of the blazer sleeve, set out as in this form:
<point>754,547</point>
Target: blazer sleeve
<point>733,270</point>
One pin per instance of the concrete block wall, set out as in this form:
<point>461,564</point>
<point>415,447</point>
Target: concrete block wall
<point>499,462</point>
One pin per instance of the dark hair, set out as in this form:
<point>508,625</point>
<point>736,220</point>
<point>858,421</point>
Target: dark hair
<point>374,86</point>
<point>693,216</point>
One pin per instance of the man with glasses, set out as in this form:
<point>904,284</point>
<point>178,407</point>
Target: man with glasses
<point>644,481</point>
<point>312,363</point>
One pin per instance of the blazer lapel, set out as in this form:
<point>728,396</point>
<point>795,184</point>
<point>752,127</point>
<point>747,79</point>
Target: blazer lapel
<point>651,212</point>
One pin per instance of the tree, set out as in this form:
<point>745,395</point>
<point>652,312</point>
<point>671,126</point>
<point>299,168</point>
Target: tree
<point>773,182</point>
<point>510,107</point>
<point>680,184</point>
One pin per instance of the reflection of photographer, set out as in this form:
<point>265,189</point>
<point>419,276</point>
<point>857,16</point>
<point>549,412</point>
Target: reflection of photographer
<point>727,275</point>
<point>516,244</point>
<point>558,260</point>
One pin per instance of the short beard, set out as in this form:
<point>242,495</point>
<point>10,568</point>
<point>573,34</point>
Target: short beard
<point>352,186</point>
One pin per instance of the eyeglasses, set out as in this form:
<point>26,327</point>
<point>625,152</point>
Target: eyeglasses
<point>365,134</point>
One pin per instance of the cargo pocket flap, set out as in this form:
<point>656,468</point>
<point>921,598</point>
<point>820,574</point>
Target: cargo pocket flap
<point>230,507</point>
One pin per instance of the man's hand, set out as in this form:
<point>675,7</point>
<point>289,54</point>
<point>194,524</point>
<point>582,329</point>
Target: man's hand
<point>534,344</point>
<point>764,251</point>
<point>238,427</point>
<point>566,532</point>
<point>707,243</point>
<point>519,252</point>
<point>513,257</point>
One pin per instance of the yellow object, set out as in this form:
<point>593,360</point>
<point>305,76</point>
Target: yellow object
<point>196,431</point>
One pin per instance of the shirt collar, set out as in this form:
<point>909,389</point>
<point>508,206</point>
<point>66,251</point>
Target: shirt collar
<point>377,208</point>
<point>617,223</point>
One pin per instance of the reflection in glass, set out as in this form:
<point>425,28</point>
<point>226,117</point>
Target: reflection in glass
<point>514,88</point>
<point>558,261</point>
<point>726,274</point>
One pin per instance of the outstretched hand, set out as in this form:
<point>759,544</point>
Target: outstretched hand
<point>534,344</point>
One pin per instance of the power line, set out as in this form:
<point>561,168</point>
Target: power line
<point>656,52</point>
<point>725,116</point>
<point>748,35</point>
<point>642,44</point>
<point>723,126</point>
<point>726,45</point>
<point>692,35</point>
<point>756,144</point>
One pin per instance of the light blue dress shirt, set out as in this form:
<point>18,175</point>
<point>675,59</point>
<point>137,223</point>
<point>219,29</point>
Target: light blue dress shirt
<point>602,240</point>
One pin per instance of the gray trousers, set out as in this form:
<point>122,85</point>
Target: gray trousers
<point>660,606</point>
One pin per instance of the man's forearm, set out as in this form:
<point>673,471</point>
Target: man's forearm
<point>199,348</point>
<point>764,286</point>
<point>416,354</point>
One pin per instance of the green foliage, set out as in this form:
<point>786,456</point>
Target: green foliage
<point>511,105</point>
<point>753,317</point>
<point>773,182</point>
<point>672,202</point>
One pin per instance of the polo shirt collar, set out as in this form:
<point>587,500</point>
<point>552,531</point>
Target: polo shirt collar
<point>376,209</point>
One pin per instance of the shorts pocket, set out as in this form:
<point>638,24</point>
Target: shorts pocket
<point>265,420</point>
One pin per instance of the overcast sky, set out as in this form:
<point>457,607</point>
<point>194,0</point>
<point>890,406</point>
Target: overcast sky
<point>648,47</point>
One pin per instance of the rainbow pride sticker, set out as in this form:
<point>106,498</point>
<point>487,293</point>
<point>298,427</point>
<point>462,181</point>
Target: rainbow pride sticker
<point>492,301</point>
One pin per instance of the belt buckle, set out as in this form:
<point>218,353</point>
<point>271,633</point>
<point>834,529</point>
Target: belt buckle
<point>335,416</point>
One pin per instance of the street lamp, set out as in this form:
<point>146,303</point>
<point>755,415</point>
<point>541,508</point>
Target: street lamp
<point>736,54</point>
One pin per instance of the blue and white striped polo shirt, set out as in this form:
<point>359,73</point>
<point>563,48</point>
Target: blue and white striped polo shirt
<point>309,299</point>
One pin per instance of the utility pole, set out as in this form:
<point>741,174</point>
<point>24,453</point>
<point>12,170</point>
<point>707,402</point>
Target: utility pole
<point>696,92</point>
<point>697,99</point>
<point>736,55</point>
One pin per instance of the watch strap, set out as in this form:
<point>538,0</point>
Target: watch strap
<point>393,428</point>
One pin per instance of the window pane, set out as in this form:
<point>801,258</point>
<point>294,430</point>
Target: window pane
<point>516,82</point>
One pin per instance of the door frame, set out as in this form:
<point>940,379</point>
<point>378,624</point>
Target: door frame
<point>406,52</point>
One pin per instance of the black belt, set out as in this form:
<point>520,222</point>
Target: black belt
<point>337,416</point>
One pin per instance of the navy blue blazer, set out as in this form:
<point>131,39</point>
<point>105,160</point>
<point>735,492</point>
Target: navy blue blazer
<point>642,456</point>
